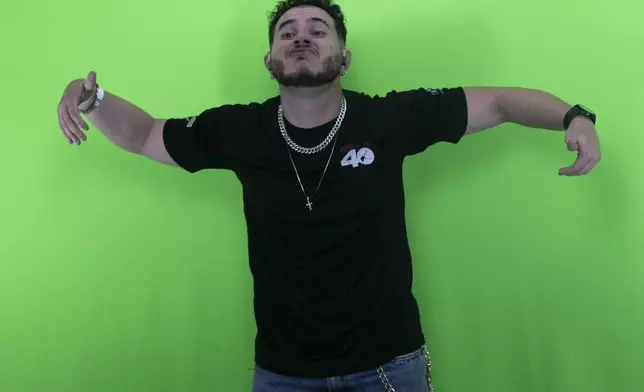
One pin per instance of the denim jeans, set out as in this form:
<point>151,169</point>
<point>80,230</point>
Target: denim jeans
<point>405,373</point>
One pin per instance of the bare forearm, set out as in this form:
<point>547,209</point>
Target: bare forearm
<point>532,108</point>
<point>122,122</point>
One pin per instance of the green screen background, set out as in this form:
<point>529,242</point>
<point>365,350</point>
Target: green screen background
<point>118,274</point>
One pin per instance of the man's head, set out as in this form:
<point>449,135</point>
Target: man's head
<point>307,40</point>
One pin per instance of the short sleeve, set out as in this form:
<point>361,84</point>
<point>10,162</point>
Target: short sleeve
<point>428,116</point>
<point>200,142</point>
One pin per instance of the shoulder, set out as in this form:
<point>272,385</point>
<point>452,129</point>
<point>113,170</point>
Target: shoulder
<point>252,113</point>
<point>388,103</point>
<point>236,123</point>
<point>394,96</point>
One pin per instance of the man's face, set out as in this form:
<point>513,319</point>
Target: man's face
<point>307,51</point>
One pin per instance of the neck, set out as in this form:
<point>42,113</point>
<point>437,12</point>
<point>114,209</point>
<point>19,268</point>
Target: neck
<point>311,107</point>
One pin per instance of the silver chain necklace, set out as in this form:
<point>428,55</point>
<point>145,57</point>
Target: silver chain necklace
<point>304,150</point>
<point>325,142</point>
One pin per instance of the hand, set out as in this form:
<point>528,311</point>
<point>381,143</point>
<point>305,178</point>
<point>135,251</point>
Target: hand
<point>581,136</point>
<point>78,95</point>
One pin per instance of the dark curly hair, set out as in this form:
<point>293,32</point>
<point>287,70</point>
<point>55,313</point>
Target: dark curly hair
<point>328,6</point>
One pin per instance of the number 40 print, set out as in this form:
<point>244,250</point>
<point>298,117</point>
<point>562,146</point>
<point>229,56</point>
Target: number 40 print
<point>355,158</point>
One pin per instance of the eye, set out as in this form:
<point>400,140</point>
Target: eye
<point>319,33</point>
<point>287,35</point>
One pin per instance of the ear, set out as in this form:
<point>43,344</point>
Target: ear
<point>268,64</point>
<point>346,60</point>
<point>267,61</point>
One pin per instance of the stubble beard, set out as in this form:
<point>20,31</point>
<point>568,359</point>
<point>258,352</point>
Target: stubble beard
<point>304,77</point>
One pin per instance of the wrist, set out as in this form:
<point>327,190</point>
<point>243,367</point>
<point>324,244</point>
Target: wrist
<point>95,100</point>
<point>581,121</point>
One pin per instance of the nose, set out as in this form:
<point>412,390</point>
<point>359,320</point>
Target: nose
<point>302,41</point>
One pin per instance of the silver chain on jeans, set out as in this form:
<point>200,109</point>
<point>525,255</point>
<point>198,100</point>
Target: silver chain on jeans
<point>428,361</point>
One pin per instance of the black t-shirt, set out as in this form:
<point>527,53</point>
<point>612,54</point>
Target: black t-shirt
<point>332,285</point>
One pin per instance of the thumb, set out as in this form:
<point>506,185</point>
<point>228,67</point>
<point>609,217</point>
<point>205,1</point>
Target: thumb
<point>90,82</point>
<point>87,92</point>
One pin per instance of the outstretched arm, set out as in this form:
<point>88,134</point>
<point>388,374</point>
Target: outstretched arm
<point>492,106</point>
<point>124,124</point>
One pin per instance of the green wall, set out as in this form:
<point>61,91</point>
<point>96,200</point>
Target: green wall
<point>118,274</point>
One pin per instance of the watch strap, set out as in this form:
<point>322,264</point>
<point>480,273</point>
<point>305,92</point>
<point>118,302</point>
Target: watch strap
<point>575,111</point>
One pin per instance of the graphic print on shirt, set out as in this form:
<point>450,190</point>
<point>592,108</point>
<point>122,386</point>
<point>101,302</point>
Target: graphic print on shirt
<point>357,155</point>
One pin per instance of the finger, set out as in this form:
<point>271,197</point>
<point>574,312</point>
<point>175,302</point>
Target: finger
<point>75,115</point>
<point>62,127</point>
<point>572,144</point>
<point>68,135</point>
<point>581,162</point>
<point>590,166</point>
<point>77,128</point>
<point>69,126</point>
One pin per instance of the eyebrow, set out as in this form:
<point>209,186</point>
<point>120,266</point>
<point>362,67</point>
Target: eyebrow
<point>292,21</point>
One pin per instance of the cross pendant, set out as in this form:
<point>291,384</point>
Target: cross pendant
<point>309,204</point>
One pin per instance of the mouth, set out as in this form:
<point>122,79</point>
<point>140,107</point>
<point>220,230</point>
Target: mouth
<point>302,52</point>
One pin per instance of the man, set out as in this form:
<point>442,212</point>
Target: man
<point>321,170</point>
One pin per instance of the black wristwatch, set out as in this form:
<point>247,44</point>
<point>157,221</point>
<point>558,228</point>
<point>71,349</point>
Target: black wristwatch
<point>578,110</point>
